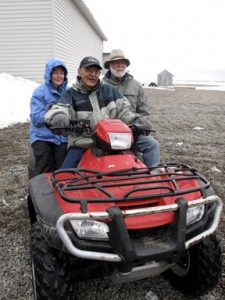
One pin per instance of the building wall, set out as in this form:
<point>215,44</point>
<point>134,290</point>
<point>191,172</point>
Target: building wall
<point>165,79</point>
<point>105,58</point>
<point>32,31</point>
<point>74,36</point>
<point>25,37</point>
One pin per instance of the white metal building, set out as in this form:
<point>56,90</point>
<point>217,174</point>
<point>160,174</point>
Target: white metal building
<point>32,31</point>
<point>165,78</point>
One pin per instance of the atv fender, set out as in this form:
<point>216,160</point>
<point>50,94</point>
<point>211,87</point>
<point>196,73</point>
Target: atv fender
<point>44,201</point>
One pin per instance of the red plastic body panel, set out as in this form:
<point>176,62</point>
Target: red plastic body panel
<point>111,162</point>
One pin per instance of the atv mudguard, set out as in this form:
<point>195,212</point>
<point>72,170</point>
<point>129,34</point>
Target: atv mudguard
<point>44,201</point>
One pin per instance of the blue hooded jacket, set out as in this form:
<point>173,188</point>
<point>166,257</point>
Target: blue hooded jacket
<point>43,97</point>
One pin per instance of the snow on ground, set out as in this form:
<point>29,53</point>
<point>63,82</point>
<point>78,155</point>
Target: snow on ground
<point>201,85</point>
<point>15,99</point>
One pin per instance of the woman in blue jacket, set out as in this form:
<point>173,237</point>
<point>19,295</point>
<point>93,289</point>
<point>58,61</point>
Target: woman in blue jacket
<point>49,149</point>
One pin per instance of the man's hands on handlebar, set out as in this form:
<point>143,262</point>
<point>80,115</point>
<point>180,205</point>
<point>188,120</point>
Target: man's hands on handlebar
<point>62,125</point>
<point>58,124</point>
<point>142,126</point>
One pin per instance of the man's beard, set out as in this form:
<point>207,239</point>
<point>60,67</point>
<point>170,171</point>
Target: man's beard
<point>117,74</point>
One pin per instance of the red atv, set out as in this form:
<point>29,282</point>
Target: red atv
<point>113,217</point>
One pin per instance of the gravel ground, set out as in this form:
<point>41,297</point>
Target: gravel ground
<point>190,127</point>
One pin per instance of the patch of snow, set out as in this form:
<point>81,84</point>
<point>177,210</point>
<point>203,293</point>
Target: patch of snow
<point>215,169</point>
<point>198,128</point>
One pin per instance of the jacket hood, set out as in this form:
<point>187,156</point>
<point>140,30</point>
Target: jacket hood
<point>51,64</point>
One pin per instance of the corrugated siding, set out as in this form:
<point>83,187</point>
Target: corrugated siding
<point>74,36</point>
<point>25,37</point>
<point>164,80</point>
<point>32,31</point>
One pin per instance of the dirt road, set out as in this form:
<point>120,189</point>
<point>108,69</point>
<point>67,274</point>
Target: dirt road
<point>190,126</point>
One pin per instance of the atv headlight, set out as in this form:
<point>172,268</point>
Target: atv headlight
<point>90,229</point>
<point>194,214</point>
<point>120,141</point>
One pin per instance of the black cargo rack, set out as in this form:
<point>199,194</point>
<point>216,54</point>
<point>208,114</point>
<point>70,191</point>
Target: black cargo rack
<point>87,179</point>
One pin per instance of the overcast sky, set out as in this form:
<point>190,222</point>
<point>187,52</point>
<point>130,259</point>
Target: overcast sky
<point>186,37</point>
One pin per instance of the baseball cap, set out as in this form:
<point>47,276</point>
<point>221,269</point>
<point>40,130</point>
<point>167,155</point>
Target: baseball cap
<point>90,61</point>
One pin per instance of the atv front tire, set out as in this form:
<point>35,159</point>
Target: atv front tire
<point>51,280</point>
<point>198,269</point>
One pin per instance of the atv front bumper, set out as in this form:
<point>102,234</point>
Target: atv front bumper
<point>125,251</point>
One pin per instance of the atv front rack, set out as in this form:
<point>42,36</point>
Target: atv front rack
<point>61,224</point>
<point>164,180</point>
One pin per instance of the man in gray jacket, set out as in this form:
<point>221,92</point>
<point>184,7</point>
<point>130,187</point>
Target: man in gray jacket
<point>125,83</point>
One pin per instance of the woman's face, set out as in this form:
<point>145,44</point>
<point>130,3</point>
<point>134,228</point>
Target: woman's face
<point>57,76</point>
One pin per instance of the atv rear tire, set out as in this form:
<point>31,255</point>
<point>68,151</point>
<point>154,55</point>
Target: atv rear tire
<point>51,280</point>
<point>199,268</point>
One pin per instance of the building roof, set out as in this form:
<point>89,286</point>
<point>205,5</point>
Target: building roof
<point>90,18</point>
<point>165,72</point>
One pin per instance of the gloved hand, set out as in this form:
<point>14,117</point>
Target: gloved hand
<point>142,125</point>
<point>59,120</point>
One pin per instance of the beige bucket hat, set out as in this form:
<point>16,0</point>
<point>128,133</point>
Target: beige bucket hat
<point>116,54</point>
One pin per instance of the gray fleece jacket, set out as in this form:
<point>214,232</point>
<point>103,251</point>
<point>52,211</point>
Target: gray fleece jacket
<point>132,90</point>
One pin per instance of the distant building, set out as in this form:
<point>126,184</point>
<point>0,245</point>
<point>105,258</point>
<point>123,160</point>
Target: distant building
<point>105,58</point>
<point>32,31</point>
<point>165,78</point>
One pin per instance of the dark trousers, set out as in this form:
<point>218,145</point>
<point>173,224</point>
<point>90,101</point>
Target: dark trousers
<point>48,156</point>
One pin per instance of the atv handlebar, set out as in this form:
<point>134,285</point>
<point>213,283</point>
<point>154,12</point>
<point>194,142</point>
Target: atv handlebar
<point>139,130</point>
<point>84,126</point>
<point>77,125</point>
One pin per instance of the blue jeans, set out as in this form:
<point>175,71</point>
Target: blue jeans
<point>150,149</point>
<point>72,158</point>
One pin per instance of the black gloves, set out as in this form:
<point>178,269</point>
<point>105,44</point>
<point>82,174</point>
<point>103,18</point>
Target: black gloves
<point>142,125</point>
<point>59,120</point>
